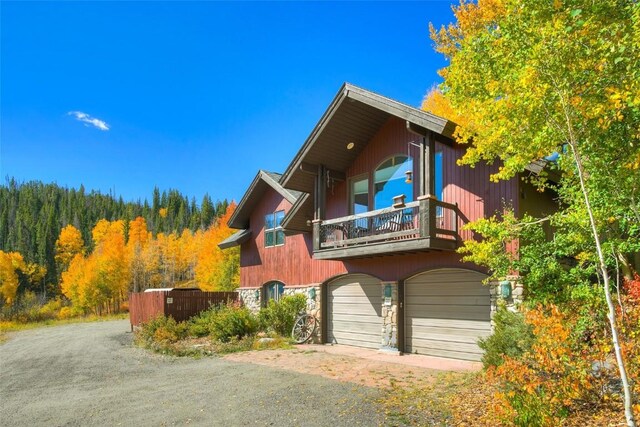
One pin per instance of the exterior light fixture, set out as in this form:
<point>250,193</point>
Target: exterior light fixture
<point>350,145</point>
<point>257,294</point>
<point>312,293</point>
<point>409,173</point>
<point>387,291</point>
<point>409,178</point>
<point>505,289</point>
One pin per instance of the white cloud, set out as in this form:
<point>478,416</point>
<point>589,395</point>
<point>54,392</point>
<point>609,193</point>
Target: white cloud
<point>88,120</point>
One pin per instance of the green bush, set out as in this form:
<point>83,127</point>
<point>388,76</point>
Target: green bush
<point>279,316</point>
<point>162,330</point>
<point>200,325</point>
<point>512,337</point>
<point>229,322</point>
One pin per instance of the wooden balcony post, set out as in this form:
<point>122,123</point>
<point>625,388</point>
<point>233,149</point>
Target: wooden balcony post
<point>316,234</point>
<point>430,173</point>
<point>427,216</point>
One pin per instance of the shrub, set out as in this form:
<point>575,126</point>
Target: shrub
<point>162,330</point>
<point>512,337</point>
<point>231,321</point>
<point>551,380</point>
<point>200,325</point>
<point>279,316</point>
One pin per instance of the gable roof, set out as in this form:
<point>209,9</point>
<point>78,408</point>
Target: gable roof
<point>263,181</point>
<point>355,115</point>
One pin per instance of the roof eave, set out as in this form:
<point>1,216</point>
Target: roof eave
<point>420,118</point>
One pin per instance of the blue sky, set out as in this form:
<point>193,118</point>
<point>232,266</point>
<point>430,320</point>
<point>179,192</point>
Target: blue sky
<point>195,96</point>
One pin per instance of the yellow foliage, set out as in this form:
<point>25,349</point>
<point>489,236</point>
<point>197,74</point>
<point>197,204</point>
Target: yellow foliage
<point>218,270</point>
<point>69,244</point>
<point>10,263</point>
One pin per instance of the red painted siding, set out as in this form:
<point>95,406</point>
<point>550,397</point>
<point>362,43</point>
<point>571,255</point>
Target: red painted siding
<point>292,263</point>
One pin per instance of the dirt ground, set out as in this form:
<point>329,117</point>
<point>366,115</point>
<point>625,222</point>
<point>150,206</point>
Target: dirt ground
<point>316,360</point>
<point>91,374</point>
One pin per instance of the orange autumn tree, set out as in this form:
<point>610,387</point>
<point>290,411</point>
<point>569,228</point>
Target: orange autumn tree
<point>218,270</point>
<point>10,263</point>
<point>136,245</point>
<point>100,281</point>
<point>113,272</point>
<point>68,245</point>
<point>78,283</point>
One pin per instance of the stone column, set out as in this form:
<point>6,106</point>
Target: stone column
<point>390,318</point>
<point>251,298</point>
<point>516,293</point>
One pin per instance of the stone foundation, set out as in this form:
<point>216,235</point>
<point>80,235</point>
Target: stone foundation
<point>252,299</point>
<point>313,306</point>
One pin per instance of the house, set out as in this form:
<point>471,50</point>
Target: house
<point>366,221</point>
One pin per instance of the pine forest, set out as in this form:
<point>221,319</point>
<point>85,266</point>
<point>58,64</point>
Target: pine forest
<point>76,252</point>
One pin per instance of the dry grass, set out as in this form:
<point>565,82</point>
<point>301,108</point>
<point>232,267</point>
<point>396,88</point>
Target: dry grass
<point>12,326</point>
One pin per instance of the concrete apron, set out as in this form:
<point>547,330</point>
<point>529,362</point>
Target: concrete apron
<point>417,360</point>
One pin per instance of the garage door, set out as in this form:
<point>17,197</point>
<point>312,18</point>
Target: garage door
<point>354,311</point>
<point>446,311</point>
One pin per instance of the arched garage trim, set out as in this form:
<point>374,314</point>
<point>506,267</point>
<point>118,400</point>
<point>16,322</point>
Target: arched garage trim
<point>326,299</point>
<point>443,312</point>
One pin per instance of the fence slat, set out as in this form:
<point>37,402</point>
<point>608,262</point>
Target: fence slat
<point>181,305</point>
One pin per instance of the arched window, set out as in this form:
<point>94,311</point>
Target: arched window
<point>389,180</point>
<point>272,291</point>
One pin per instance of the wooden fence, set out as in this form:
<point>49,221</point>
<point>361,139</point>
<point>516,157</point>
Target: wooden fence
<point>181,305</point>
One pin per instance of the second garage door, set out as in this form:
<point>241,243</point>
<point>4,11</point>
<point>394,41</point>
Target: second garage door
<point>446,311</point>
<point>354,307</point>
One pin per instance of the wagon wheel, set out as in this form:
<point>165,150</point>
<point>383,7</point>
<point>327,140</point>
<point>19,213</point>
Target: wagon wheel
<point>304,328</point>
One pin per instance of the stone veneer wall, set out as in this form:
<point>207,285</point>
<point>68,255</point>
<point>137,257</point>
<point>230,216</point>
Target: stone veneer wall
<point>512,302</point>
<point>252,299</point>
<point>389,318</point>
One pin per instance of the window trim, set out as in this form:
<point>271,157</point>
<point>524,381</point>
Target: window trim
<point>370,176</point>
<point>277,228</point>
<point>351,195</point>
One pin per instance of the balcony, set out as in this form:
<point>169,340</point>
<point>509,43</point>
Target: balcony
<point>419,226</point>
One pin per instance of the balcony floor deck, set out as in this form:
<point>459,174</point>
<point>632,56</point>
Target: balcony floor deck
<point>387,248</point>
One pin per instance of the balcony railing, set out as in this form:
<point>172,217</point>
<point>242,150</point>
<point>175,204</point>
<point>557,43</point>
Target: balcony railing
<point>428,220</point>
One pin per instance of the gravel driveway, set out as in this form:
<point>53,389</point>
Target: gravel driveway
<point>90,374</point>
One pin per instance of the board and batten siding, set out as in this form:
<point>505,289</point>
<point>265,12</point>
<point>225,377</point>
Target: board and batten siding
<point>476,196</point>
<point>292,263</point>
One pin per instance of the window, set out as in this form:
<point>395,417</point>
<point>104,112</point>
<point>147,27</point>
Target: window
<point>273,291</point>
<point>438,175</point>
<point>389,180</point>
<point>273,232</point>
<point>359,195</point>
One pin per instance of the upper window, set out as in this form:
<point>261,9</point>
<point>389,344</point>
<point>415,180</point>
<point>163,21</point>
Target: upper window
<point>273,232</point>
<point>359,195</point>
<point>438,176</point>
<point>389,180</point>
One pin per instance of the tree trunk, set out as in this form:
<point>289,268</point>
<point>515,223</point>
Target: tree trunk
<point>628,401</point>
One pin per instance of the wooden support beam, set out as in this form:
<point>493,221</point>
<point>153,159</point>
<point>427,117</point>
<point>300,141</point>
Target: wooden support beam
<point>321,192</point>
<point>430,174</point>
<point>422,172</point>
